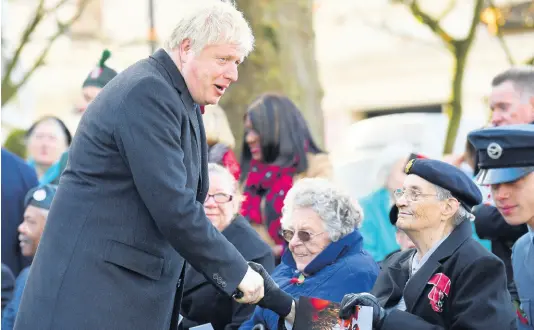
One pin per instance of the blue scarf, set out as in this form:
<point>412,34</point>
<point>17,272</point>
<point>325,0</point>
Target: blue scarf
<point>50,175</point>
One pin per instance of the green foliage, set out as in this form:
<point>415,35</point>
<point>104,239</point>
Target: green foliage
<point>16,143</point>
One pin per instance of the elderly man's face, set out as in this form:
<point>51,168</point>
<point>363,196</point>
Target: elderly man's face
<point>418,207</point>
<point>515,200</point>
<point>210,72</point>
<point>31,229</point>
<point>509,107</point>
<point>306,220</point>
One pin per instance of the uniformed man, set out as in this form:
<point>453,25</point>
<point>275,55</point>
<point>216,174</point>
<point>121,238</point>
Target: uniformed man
<point>449,281</point>
<point>506,159</point>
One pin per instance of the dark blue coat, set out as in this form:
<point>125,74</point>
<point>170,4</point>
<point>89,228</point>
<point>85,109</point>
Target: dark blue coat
<point>128,211</point>
<point>477,297</point>
<point>17,179</point>
<point>343,267</point>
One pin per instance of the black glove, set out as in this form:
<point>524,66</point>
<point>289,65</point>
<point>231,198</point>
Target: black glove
<point>351,300</point>
<point>274,299</point>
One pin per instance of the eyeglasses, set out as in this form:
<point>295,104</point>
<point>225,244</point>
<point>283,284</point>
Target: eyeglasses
<point>410,194</point>
<point>220,198</point>
<point>303,236</point>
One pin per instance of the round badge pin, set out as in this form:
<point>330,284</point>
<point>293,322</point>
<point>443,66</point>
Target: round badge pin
<point>494,150</point>
<point>39,195</point>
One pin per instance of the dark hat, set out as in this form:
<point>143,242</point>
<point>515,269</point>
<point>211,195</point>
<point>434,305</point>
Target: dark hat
<point>101,74</point>
<point>40,197</point>
<point>505,153</point>
<point>448,177</point>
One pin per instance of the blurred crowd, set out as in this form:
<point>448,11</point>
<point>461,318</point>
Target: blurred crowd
<point>276,202</point>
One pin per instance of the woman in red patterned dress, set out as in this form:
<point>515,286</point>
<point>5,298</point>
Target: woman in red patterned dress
<point>277,150</point>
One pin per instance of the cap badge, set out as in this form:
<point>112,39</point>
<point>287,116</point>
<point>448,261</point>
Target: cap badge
<point>409,166</point>
<point>39,195</point>
<point>494,150</point>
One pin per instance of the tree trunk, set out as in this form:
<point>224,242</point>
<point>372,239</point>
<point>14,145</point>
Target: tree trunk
<point>283,61</point>
<point>454,109</point>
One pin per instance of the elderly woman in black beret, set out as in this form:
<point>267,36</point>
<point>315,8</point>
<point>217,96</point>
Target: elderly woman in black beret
<point>449,281</point>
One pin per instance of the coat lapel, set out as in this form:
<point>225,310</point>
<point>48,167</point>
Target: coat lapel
<point>417,283</point>
<point>179,84</point>
<point>397,276</point>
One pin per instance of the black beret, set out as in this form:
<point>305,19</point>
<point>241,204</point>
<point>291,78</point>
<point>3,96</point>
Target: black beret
<point>40,197</point>
<point>447,177</point>
<point>505,153</point>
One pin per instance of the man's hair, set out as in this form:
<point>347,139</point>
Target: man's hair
<point>462,214</point>
<point>208,22</point>
<point>522,77</point>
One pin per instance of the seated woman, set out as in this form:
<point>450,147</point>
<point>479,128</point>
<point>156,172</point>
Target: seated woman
<point>203,303</point>
<point>449,281</point>
<point>325,258</point>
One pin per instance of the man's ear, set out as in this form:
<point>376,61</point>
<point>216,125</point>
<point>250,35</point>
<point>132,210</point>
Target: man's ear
<point>449,209</point>
<point>184,49</point>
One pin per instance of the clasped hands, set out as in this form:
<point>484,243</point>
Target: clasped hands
<point>264,292</point>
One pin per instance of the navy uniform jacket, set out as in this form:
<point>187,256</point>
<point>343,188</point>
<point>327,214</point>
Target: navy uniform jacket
<point>17,179</point>
<point>477,299</point>
<point>202,303</point>
<point>128,211</point>
<point>523,263</point>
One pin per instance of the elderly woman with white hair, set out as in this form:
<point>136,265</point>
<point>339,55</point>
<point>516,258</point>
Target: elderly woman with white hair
<point>449,281</point>
<point>325,257</point>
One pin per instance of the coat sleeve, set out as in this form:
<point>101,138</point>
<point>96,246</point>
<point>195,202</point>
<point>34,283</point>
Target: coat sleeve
<point>242,312</point>
<point>148,134</point>
<point>481,301</point>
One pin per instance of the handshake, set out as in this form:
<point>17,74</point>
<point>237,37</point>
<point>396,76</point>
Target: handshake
<point>257,287</point>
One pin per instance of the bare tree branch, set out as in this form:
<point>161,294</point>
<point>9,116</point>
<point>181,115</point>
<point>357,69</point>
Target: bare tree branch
<point>56,6</point>
<point>25,37</point>
<point>502,41</point>
<point>61,29</point>
<point>476,20</point>
<point>432,23</point>
<point>447,10</point>
<point>396,33</point>
<point>9,88</point>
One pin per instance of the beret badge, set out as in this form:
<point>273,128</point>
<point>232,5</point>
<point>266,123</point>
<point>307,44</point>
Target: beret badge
<point>409,166</point>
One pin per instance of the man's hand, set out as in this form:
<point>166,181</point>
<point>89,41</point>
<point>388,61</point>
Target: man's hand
<point>275,299</point>
<point>351,300</point>
<point>251,288</point>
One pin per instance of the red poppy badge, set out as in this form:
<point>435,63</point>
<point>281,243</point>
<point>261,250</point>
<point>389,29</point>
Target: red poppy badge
<point>441,287</point>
